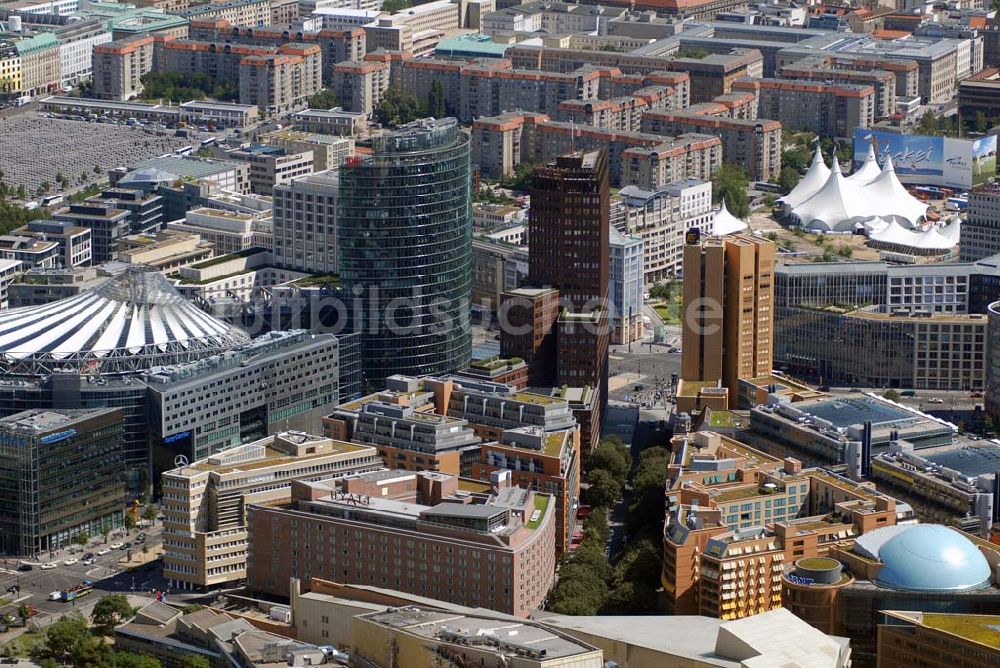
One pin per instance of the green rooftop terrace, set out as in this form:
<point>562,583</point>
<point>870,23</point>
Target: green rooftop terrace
<point>977,628</point>
<point>541,504</point>
<point>495,363</point>
<point>747,492</point>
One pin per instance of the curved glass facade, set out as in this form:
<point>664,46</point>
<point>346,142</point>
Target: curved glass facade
<point>405,250</point>
<point>993,361</point>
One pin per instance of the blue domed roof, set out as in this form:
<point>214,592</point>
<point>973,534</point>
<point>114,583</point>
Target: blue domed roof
<point>931,557</point>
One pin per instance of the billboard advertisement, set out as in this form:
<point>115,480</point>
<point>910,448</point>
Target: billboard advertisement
<point>939,161</point>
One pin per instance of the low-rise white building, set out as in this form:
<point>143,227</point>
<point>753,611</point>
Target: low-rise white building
<point>228,231</point>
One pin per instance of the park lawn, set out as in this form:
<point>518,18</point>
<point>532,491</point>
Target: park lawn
<point>669,311</point>
<point>21,645</point>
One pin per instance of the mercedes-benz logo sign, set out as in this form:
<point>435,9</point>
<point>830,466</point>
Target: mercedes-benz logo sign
<point>180,460</point>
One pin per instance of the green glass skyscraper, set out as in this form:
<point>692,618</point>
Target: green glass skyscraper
<point>405,249</point>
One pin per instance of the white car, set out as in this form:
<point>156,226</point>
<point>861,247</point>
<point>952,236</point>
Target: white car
<point>70,562</point>
<point>935,400</point>
<point>47,567</point>
<point>115,546</point>
<point>103,551</point>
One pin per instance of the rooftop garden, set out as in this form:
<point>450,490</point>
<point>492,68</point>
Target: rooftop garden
<point>726,419</point>
<point>973,627</point>
<point>238,255</point>
<point>319,280</point>
<point>541,504</point>
<point>495,363</point>
<point>738,493</point>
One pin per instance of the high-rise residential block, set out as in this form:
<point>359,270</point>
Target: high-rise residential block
<point>204,502</point>
<point>118,67</point>
<point>727,317</point>
<point>826,108</point>
<point>405,249</point>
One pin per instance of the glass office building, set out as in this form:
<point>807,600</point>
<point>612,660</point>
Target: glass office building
<point>405,250</point>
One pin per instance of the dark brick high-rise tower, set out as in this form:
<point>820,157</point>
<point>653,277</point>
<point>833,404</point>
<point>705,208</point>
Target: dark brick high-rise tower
<point>569,232</point>
<point>568,227</point>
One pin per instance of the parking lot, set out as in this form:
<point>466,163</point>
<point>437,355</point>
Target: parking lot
<point>34,149</point>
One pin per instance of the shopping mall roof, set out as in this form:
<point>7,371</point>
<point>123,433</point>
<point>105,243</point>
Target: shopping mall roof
<point>845,412</point>
<point>970,460</point>
<point>132,321</point>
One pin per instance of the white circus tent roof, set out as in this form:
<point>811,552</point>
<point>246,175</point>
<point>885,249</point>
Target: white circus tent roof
<point>888,197</point>
<point>842,202</point>
<point>726,223</point>
<point>890,232</point>
<point>809,184</point>
<point>836,206</point>
<point>130,322</point>
<point>868,171</point>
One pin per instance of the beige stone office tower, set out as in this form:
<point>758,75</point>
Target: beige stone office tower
<point>727,317</point>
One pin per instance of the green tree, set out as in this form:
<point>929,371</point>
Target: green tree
<point>398,108</point>
<point>730,183</point>
<point>393,6</point>
<point>183,87</point>
<point>110,611</point>
<point>645,511</point>
<point>610,457</point>
<point>64,638</point>
<point>130,521</point>
<point>149,513</point>
<point>435,100</point>
<point>630,598</point>
<point>522,176</point>
<point>797,158</point>
<point>788,179</point>
<point>891,395</point>
<point>24,613</point>
<point>97,169</point>
<point>12,215</point>
<point>325,99</point>
<point>22,192</point>
<point>640,563</point>
<point>194,661</point>
<point>92,653</point>
<point>82,538</point>
<point>132,660</point>
<point>980,123</point>
<point>604,488</point>
<point>583,596</point>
